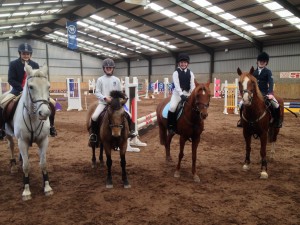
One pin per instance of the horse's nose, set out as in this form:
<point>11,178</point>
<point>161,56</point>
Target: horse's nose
<point>44,113</point>
<point>204,115</point>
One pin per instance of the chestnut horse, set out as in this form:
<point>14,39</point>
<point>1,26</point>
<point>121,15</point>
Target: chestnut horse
<point>113,134</point>
<point>189,125</point>
<point>256,119</point>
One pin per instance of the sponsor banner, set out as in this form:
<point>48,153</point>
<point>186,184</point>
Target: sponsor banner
<point>72,35</point>
<point>289,74</point>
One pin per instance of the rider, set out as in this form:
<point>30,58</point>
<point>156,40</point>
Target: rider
<point>104,85</point>
<point>265,84</point>
<point>184,82</point>
<point>16,78</point>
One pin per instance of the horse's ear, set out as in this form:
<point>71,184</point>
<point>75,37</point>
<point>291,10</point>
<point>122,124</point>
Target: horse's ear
<point>45,69</point>
<point>28,69</point>
<point>251,70</point>
<point>239,71</point>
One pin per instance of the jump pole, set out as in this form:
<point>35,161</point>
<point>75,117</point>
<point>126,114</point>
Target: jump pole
<point>217,88</point>
<point>131,90</point>
<point>233,98</point>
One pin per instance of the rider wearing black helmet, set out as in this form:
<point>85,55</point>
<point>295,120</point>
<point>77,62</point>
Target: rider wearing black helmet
<point>17,78</point>
<point>184,82</point>
<point>266,84</point>
<point>104,85</point>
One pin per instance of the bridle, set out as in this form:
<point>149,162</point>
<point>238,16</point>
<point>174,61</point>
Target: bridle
<point>32,110</point>
<point>111,124</point>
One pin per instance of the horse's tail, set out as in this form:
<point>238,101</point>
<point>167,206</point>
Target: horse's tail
<point>161,126</point>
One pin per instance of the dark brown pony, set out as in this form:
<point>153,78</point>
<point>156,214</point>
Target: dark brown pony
<point>113,134</point>
<point>189,126</point>
<point>256,119</point>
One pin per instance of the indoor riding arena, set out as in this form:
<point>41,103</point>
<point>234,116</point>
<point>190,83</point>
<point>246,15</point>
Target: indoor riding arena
<point>226,194</point>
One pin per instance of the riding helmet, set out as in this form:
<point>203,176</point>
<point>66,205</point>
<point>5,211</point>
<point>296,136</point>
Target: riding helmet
<point>25,47</point>
<point>183,57</point>
<point>108,63</point>
<point>263,57</point>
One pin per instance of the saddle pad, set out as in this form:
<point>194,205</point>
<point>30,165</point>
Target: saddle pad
<point>178,111</point>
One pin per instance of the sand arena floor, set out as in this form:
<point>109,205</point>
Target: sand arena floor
<point>225,195</point>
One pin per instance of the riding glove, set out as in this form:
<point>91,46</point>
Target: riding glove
<point>183,98</point>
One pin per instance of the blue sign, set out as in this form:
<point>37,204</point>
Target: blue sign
<point>72,35</point>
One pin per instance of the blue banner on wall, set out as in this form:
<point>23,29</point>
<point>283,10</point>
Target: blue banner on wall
<point>72,35</point>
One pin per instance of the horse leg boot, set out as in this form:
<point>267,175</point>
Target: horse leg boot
<point>94,129</point>
<point>239,123</point>
<point>131,126</point>
<point>53,132</point>
<point>2,132</point>
<point>171,122</point>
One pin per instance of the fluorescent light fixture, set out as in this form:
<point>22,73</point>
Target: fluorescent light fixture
<point>180,19</point>
<point>298,26</point>
<point>94,28</point>
<point>99,46</point>
<point>20,14</point>
<point>132,31</point>
<point>168,13</point>
<point>97,17</point>
<point>92,36</point>
<point>172,46</point>
<point>144,36</point>
<point>36,12</point>
<point>5,27</point>
<point>192,24</point>
<point>215,9</point>
<point>214,34</point>
<point>81,32</point>
<point>238,22</point>
<point>125,39</point>
<point>121,27</point>
<point>59,33</point>
<point>222,38</point>
<point>249,28</point>
<point>105,32</point>
<point>293,20</point>
<point>82,24</point>
<point>268,24</point>
<point>89,43</point>
<point>155,7</point>
<point>227,16</point>
<point>154,39</point>
<point>31,3</point>
<point>258,33</point>
<point>203,29</point>
<point>19,25</point>
<point>116,36</point>
<point>11,4</point>
<point>273,6</point>
<point>111,23</point>
<point>5,15</point>
<point>137,2</point>
<point>284,13</point>
<point>202,3</point>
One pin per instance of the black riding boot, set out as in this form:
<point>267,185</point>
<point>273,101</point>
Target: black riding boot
<point>2,132</point>
<point>239,123</point>
<point>94,128</point>
<point>171,122</point>
<point>277,118</point>
<point>53,131</point>
<point>131,126</point>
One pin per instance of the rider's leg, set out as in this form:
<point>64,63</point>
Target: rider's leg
<point>131,126</point>
<point>171,122</point>
<point>276,113</point>
<point>94,122</point>
<point>2,132</point>
<point>53,131</point>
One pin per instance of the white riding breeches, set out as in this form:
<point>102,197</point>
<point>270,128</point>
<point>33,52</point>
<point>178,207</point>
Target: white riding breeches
<point>97,111</point>
<point>175,99</point>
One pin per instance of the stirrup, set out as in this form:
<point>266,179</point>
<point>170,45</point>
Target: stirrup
<point>53,132</point>
<point>93,138</point>
<point>132,134</point>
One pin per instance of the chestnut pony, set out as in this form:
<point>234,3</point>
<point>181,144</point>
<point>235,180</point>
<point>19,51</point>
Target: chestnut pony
<point>113,133</point>
<point>189,125</point>
<point>256,119</point>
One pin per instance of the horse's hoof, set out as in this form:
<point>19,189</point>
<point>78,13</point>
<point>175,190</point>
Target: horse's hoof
<point>263,175</point>
<point>109,186</point>
<point>177,174</point>
<point>246,167</point>
<point>196,178</point>
<point>49,193</point>
<point>127,186</point>
<point>26,197</point>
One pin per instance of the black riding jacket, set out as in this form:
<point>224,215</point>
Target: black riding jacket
<point>264,80</point>
<point>16,74</point>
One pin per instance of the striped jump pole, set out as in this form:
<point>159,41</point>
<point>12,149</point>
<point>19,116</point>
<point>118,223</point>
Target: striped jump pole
<point>292,106</point>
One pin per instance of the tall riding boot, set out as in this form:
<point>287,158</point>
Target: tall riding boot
<point>131,126</point>
<point>171,122</point>
<point>277,118</point>
<point>2,132</point>
<point>94,128</point>
<point>53,131</point>
<point>239,123</point>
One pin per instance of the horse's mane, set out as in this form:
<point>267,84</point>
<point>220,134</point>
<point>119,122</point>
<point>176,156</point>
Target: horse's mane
<point>254,81</point>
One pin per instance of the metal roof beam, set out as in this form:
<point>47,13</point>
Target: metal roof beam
<point>289,7</point>
<point>217,22</point>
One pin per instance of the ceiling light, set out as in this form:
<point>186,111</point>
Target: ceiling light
<point>268,25</point>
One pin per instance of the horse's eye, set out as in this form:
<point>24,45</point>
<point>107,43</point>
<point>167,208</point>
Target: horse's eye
<point>30,87</point>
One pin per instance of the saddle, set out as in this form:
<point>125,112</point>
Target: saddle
<point>10,109</point>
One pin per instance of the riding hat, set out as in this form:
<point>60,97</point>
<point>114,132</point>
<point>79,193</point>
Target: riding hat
<point>183,57</point>
<point>108,63</point>
<point>263,57</point>
<point>25,47</point>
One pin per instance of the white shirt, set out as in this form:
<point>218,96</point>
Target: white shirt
<point>177,83</point>
<point>104,85</point>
